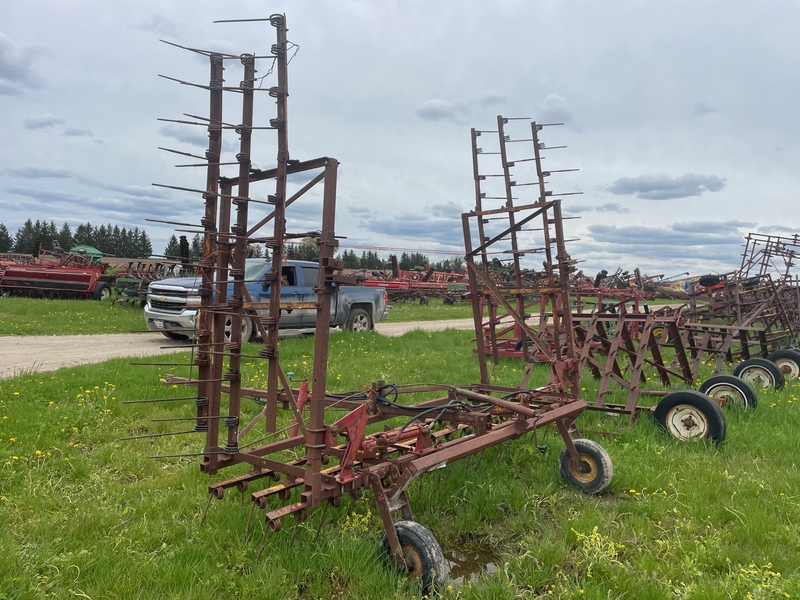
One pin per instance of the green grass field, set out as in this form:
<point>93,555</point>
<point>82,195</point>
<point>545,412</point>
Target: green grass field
<point>39,316</point>
<point>86,515</point>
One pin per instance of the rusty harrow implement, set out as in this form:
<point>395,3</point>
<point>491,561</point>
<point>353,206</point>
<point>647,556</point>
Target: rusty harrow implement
<point>545,314</point>
<point>297,447</point>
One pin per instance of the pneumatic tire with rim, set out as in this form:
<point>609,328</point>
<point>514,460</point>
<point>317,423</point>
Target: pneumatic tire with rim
<point>730,390</point>
<point>358,321</point>
<point>689,415</point>
<point>422,553</point>
<point>247,329</point>
<point>594,473</point>
<point>178,337</point>
<point>788,362</point>
<point>102,291</point>
<point>760,373</point>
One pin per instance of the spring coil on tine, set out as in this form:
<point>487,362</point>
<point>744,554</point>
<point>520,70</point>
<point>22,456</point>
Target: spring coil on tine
<point>276,20</point>
<point>215,84</point>
<point>231,421</point>
<point>268,352</point>
<point>278,50</point>
<point>201,401</point>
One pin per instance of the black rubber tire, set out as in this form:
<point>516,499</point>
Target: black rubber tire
<point>247,329</point>
<point>689,415</point>
<point>423,554</point>
<point>708,280</point>
<point>358,321</point>
<point>102,291</point>
<point>178,337</point>
<point>730,390</point>
<point>760,373</point>
<point>788,362</point>
<point>424,301</point>
<point>596,470</point>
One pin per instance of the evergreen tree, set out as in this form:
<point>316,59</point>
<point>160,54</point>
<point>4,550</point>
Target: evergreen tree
<point>84,235</point>
<point>310,249</point>
<point>173,248</point>
<point>64,237</point>
<point>196,249</point>
<point>6,241</point>
<point>25,238</point>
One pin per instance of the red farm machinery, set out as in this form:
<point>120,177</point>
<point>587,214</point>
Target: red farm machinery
<point>386,436</point>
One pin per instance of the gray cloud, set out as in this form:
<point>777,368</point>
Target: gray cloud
<point>701,109</point>
<point>16,74</point>
<point>685,234</point>
<point>447,210</point>
<point>492,99</point>
<point>664,187</point>
<point>76,132</point>
<point>437,109</point>
<point>37,172</point>
<point>194,136</point>
<point>612,207</point>
<point>554,109</point>
<point>42,122</point>
<point>608,207</point>
<point>158,24</point>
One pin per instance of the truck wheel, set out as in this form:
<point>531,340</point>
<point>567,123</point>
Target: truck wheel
<point>247,329</point>
<point>102,291</point>
<point>178,337</point>
<point>358,321</point>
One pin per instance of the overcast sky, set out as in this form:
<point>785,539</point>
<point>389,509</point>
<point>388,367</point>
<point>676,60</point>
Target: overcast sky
<point>681,115</point>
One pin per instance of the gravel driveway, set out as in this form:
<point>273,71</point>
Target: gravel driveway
<point>23,354</point>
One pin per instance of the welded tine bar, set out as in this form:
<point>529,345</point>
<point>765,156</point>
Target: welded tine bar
<point>155,435</point>
<point>159,400</point>
<point>182,153</point>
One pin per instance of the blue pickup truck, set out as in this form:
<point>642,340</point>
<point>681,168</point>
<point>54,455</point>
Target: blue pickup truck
<point>172,303</point>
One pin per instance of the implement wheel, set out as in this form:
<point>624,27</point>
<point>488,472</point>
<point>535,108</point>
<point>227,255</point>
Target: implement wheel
<point>689,415</point>
<point>102,291</point>
<point>595,471</point>
<point>788,362</point>
<point>761,373</point>
<point>422,553</point>
<point>730,390</point>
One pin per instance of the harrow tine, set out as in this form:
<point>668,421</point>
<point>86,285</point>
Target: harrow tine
<point>249,518</point>
<point>321,520</point>
<point>205,511</point>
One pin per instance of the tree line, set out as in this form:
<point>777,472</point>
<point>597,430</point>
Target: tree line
<point>134,243</point>
<point>111,239</point>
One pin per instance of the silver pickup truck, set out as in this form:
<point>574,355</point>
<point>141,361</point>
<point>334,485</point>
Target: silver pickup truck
<point>172,303</point>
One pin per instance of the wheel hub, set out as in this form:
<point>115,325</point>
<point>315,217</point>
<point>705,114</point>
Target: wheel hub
<point>686,422</point>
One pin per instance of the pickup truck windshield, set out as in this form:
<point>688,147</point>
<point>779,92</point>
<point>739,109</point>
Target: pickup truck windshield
<point>253,269</point>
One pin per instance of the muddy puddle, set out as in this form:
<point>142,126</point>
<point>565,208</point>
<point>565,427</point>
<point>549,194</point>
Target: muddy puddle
<point>470,565</point>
